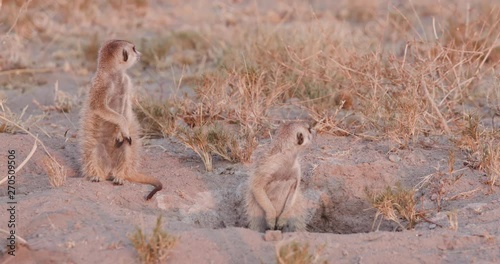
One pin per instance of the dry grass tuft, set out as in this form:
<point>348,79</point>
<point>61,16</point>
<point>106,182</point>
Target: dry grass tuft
<point>157,119</point>
<point>394,204</point>
<point>296,253</point>
<point>55,171</point>
<point>490,160</point>
<point>212,138</point>
<point>197,140</point>
<point>482,146</point>
<point>10,119</point>
<point>63,101</point>
<point>156,248</point>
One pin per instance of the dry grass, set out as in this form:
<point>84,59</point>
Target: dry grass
<point>174,49</point>
<point>394,204</point>
<point>210,139</point>
<point>453,220</point>
<point>158,119</point>
<point>13,54</point>
<point>386,72</point>
<point>10,119</point>
<point>441,183</point>
<point>63,101</point>
<point>297,253</point>
<point>156,248</point>
<point>482,146</point>
<point>378,71</point>
<point>197,140</point>
<point>490,161</point>
<point>373,70</point>
<point>56,172</point>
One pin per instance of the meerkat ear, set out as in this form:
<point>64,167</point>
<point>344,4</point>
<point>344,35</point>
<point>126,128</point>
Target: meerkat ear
<point>300,138</point>
<point>125,55</point>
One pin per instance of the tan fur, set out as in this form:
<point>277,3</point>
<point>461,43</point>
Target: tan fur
<point>274,200</point>
<point>109,130</point>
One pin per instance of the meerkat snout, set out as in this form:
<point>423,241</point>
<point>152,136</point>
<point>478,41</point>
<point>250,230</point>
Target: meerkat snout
<point>130,56</point>
<point>137,53</point>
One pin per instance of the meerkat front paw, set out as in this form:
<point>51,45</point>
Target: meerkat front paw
<point>118,143</point>
<point>281,223</point>
<point>120,138</point>
<point>271,223</point>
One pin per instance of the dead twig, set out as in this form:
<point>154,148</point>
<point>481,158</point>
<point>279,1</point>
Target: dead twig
<point>22,163</point>
<point>422,216</point>
<point>20,239</point>
<point>33,136</point>
<point>24,71</point>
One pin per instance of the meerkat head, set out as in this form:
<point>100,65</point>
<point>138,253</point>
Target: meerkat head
<point>117,55</point>
<point>294,135</point>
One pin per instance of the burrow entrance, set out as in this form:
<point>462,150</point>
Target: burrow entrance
<point>333,205</point>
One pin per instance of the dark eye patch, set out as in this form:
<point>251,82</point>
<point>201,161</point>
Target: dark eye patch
<point>133,48</point>
<point>125,55</point>
<point>300,138</point>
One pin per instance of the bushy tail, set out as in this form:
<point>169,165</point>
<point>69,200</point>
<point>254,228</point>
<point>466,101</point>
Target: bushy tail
<point>145,179</point>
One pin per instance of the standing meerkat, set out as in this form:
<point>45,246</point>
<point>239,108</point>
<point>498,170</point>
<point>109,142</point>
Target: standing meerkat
<point>109,130</point>
<point>274,200</point>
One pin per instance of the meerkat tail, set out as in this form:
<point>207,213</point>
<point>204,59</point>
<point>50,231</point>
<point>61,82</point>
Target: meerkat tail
<point>145,179</point>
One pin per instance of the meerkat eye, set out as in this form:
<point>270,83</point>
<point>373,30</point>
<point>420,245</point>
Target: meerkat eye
<point>309,128</point>
<point>125,55</point>
<point>133,48</point>
<point>300,138</point>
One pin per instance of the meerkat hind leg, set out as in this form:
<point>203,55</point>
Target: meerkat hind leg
<point>256,215</point>
<point>294,219</point>
<point>120,175</point>
<point>98,166</point>
<point>289,204</point>
<point>122,157</point>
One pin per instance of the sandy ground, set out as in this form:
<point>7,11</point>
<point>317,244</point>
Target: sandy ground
<point>85,222</point>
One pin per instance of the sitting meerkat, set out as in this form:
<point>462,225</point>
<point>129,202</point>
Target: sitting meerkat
<point>274,200</point>
<point>109,130</point>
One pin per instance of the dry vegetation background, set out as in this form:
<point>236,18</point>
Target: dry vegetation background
<point>218,76</point>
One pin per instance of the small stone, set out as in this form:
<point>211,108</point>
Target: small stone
<point>434,197</point>
<point>432,226</point>
<point>273,235</point>
<point>394,158</point>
